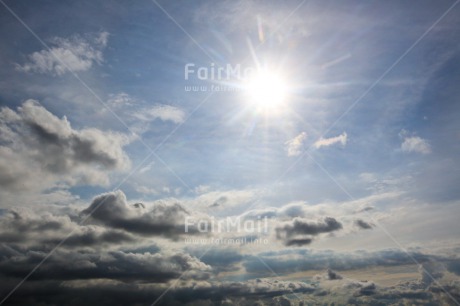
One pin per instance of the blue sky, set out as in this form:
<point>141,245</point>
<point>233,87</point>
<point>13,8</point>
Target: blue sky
<point>95,104</point>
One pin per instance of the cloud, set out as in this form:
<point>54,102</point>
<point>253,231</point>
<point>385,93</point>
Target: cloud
<point>325,142</point>
<point>37,149</point>
<point>219,202</point>
<point>415,144</point>
<point>44,231</point>
<point>99,260</point>
<point>294,146</point>
<point>225,259</point>
<point>222,201</point>
<point>202,189</point>
<point>120,100</point>
<point>290,231</point>
<point>301,259</point>
<point>298,242</point>
<point>138,113</point>
<point>75,54</point>
<point>163,112</point>
<point>363,224</point>
<point>147,168</point>
<point>112,210</point>
<point>68,265</point>
<point>295,223</point>
<point>260,291</point>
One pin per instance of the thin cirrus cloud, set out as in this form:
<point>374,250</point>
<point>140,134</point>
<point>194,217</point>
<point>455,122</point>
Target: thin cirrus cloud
<point>74,54</point>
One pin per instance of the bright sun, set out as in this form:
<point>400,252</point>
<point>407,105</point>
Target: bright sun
<point>267,91</point>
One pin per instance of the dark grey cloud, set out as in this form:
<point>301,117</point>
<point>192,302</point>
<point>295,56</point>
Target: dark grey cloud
<point>100,292</point>
<point>110,260</point>
<point>329,275</point>
<point>300,231</point>
<point>69,265</point>
<point>45,231</point>
<point>259,291</point>
<point>112,210</point>
<point>366,289</point>
<point>298,242</point>
<point>92,238</point>
<point>127,278</point>
<point>305,227</point>
<point>363,224</point>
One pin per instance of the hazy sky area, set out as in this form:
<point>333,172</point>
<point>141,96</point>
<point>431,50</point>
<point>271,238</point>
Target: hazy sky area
<point>229,152</point>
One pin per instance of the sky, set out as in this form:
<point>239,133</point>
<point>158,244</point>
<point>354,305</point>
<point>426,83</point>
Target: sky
<point>229,152</point>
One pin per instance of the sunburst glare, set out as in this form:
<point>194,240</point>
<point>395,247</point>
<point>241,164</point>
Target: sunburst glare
<point>267,91</point>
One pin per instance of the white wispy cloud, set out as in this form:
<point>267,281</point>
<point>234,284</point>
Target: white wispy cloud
<point>202,189</point>
<point>416,144</point>
<point>163,112</point>
<point>76,53</point>
<point>294,146</point>
<point>147,168</point>
<point>137,112</point>
<point>325,142</point>
<point>120,100</point>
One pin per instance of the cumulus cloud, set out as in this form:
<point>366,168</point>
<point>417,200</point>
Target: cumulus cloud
<point>111,254</point>
<point>291,231</point>
<point>329,275</point>
<point>295,146</point>
<point>416,144</point>
<point>76,53</point>
<point>37,149</point>
<point>43,232</point>
<point>295,224</point>
<point>112,210</point>
<point>101,261</point>
<point>325,142</point>
<point>221,259</point>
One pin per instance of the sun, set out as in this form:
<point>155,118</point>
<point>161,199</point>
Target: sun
<point>267,91</point>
